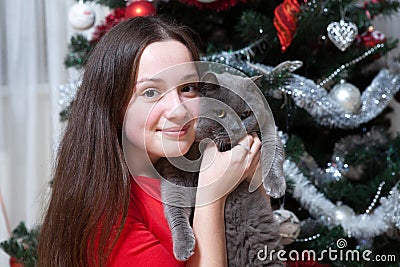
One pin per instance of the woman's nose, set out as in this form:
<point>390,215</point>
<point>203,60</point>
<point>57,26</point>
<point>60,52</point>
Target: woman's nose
<point>174,106</point>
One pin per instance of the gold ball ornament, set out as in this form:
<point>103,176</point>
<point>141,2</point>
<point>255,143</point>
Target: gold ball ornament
<point>347,96</point>
<point>289,225</point>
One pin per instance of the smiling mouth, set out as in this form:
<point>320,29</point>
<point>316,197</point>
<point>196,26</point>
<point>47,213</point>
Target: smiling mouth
<point>175,132</point>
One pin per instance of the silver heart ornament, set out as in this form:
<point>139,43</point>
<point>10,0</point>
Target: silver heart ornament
<point>342,33</point>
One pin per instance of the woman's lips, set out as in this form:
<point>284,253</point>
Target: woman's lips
<point>176,131</point>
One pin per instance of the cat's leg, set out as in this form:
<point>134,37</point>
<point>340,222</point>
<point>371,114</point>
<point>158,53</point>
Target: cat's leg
<point>177,202</point>
<point>273,178</point>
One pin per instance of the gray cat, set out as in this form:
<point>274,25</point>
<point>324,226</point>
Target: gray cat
<point>249,222</point>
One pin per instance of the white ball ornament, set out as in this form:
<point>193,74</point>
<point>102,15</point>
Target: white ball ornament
<point>343,213</point>
<point>81,16</point>
<point>289,225</point>
<point>347,96</point>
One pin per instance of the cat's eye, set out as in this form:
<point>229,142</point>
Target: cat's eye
<point>245,114</point>
<point>220,113</point>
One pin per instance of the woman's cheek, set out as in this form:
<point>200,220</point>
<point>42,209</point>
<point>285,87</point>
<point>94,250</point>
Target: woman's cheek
<point>134,124</point>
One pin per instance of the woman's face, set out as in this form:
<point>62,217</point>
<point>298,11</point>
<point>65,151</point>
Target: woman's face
<point>161,117</point>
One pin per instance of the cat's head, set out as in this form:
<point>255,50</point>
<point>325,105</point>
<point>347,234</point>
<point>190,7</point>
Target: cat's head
<point>227,109</point>
<point>231,107</point>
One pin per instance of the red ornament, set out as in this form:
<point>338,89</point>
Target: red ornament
<point>139,9</point>
<point>371,38</point>
<point>285,21</point>
<point>218,5</point>
<point>111,20</point>
<point>15,263</point>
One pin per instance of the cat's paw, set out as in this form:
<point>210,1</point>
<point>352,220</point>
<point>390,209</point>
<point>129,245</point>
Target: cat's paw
<point>184,249</point>
<point>275,188</point>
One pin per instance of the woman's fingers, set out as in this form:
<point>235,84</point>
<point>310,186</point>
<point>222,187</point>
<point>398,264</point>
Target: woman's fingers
<point>221,172</point>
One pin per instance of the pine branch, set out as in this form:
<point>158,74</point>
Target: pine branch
<point>22,245</point>
<point>253,25</point>
<point>79,48</point>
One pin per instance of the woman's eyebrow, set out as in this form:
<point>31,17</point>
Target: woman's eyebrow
<point>190,76</point>
<point>186,77</point>
<point>146,79</point>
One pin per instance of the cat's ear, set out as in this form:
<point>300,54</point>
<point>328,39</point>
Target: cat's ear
<point>257,79</point>
<point>209,77</point>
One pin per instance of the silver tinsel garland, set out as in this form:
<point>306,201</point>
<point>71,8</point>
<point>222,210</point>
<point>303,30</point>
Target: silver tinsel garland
<point>391,206</point>
<point>68,92</point>
<point>375,223</point>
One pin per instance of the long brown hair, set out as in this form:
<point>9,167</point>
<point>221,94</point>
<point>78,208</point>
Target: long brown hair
<point>91,185</point>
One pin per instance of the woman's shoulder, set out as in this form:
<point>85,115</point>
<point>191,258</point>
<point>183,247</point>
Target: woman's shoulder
<point>145,232</point>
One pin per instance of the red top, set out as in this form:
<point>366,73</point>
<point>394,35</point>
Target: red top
<point>145,239</point>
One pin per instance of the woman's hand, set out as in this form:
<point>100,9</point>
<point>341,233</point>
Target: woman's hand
<point>222,172</point>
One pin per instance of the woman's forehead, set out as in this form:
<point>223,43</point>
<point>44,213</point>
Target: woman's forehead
<point>167,61</point>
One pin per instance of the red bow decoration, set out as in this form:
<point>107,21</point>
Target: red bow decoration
<point>285,21</point>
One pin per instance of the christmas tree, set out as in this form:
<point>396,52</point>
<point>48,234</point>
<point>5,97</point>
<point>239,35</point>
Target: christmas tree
<point>328,82</point>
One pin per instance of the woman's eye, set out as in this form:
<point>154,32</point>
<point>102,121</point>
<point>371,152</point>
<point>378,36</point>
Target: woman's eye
<point>190,88</point>
<point>150,93</point>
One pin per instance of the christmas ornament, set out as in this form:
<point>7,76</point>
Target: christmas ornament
<point>343,213</point>
<point>347,96</point>
<point>16,263</point>
<point>289,225</point>
<point>285,21</point>
<point>81,16</point>
<point>115,17</point>
<point>342,33</point>
<point>218,5</point>
<point>371,38</point>
<point>139,9</point>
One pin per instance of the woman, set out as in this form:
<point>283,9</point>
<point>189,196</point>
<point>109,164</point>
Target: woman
<point>129,112</point>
